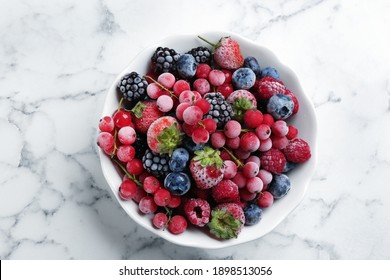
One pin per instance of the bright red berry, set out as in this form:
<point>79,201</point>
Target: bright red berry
<point>203,104</point>
<point>249,142</point>
<point>292,132</point>
<point>126,153</point>
<point>127,190</point>
<point>297,150</point>
<point>162,197</point>
<point>140,193</point>
<point>210,124</point>
<point>228,75</point>
<point>147,205</point>
<point>135,167</point>
<point>225,191</point>
<point>174,202</point>
<point>151,184</point>
<point>180,86</point>
<point>250,169</point>
<point>279,142</point>
<point>177,224</point>
<point>225,89</point>
<point>202,71</point>
<point>295,100</point>
<point>106,124</point>
<point>160,220</point>
<point>105,140</point>
<point>122,118</point>
<point>268,120</point>
<point>200,135</point>
<point>218,139</point>
<point>198,211</point>
<point>265,199</point>
<point>273,161</point>
<point>269,86</point>
<point>253,118</point>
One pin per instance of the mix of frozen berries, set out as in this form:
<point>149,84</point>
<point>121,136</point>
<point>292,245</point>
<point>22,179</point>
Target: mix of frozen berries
<point>202,139</point>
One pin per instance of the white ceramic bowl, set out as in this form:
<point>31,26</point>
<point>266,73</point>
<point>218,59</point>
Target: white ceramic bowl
<point>305,121</point>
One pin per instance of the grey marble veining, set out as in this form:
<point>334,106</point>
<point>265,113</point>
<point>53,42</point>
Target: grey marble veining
<point>58,58</point>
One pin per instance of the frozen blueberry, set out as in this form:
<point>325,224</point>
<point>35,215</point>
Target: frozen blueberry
<point>191,146</point>
<point>253,214</point>
<point>280,106</point>
<point>269,71</point>
<point>251,62</point>
<point>289,166</point>
<point>243,78</point>
<point>178,183</point>
<point>186,66</point>
<point>279,186</point>
<point>178,160</point>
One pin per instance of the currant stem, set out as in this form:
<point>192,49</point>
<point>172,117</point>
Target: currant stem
<point>115,136</point>
<point>120,104</point>
<point>131,176</point>
<point>238,162</point>
<point>161,86</point>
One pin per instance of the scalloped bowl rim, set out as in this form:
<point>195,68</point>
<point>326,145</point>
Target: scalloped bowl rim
<point>300,178</point>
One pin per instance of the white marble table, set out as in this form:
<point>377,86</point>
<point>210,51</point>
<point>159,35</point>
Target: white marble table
<point>58,58</point>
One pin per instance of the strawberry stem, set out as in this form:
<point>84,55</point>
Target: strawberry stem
<point>131,176</point>
<point>161,86</point>
<point>238,162</point>
<point>207,41</point>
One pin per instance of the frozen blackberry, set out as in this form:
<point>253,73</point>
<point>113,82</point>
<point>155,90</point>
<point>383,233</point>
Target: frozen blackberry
<point>164,59</point>
<point>133,87</point>
<point>201,54</point>
<point>156,164</point>
<point>220,110</point>
<point>140,145</point>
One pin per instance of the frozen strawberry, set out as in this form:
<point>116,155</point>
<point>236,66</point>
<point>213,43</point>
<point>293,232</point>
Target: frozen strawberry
<point>227,53</point>
<point>241,101</point>
<point>164,135</point>
<point>207,168</point>
<point>145,113</point>
<point>227,220</point>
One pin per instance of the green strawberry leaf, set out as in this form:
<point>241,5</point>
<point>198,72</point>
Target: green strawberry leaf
<point>223,225</point>
<point>169,138</point>
<point>208,156</point>
<point>240,106</point>
<point>138,109</point>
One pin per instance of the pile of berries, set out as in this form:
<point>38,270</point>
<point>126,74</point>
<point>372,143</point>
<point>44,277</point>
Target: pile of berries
<point>202,139</point>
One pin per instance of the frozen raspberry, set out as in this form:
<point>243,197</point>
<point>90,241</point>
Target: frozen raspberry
<point>273,161</point>
<point>269,86</point>
<point>297,150</point>
<point>177,224</point>
<point>197,211</point>
<point>225,191</point>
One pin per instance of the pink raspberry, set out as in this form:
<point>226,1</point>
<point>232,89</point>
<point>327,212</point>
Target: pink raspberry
<point>297,150</point>
<point>197,211</point>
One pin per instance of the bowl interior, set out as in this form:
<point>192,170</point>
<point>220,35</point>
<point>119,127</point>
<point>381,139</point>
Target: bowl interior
<point>305,121</point>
